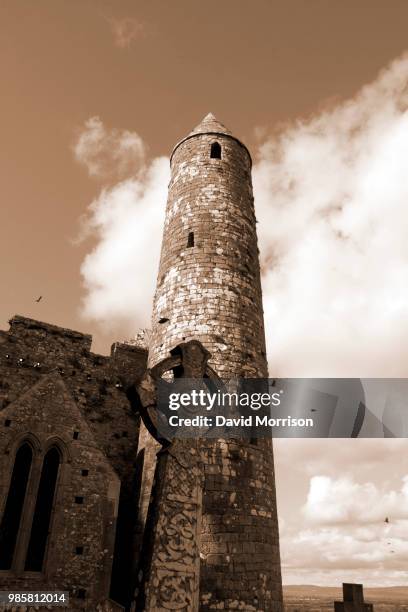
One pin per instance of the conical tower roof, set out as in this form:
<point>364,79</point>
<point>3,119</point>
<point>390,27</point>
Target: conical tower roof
<point>210,124</point>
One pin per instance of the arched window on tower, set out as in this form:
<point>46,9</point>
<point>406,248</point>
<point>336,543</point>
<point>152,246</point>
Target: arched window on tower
<point>13,510</point>
<point>43,511</point>
<point>215,150</point>
<point>190,240</point>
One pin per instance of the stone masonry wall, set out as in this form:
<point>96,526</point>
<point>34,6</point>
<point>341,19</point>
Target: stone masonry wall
<point>33,353</point>
<point>85,506</point>
<point>211,292</point>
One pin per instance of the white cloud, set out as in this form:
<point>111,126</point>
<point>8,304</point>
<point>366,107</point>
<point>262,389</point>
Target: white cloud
<point>331,197</point>
<point>343,536</point>
<point>120,272</point>
<point>333,501</point>
<point>335,496</point>
<point>109,153</point>
<point>334,554</point>
<point>126,219</point>
<point>341,548</point>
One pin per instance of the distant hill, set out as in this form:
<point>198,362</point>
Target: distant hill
<point>373,594</point>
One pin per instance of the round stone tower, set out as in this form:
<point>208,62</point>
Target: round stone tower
<point>208,286</point>
<point>209,289</point>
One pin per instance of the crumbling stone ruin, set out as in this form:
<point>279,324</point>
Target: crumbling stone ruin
<point>92,501</point>
<point>68,457</point>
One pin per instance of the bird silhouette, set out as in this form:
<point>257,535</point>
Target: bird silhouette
<point>39,299</point>
<point>386,520</point>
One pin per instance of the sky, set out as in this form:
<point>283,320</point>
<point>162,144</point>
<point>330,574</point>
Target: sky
<point>95,95</point>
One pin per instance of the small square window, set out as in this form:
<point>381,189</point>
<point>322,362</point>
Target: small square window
<point>81,593</point>
<point>79,550</point>
<point>76,435</point>
<point>7,423</point>
<point>79,499</point>
<point>84,472</point>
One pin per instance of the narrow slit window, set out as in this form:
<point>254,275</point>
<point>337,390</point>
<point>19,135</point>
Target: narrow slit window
<point>215,150</point>
<point>10,523</point>
<point>43,511</point>
<point>190,240</point>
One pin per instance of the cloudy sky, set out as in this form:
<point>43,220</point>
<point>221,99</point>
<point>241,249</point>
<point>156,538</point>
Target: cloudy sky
<point>95,95</point>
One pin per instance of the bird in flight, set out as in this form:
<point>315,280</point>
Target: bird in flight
<point>39,299</point>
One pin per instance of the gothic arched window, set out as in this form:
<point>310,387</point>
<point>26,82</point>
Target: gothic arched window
<point>43,510</point>
<point>215,150</point>
<point>13,510</point>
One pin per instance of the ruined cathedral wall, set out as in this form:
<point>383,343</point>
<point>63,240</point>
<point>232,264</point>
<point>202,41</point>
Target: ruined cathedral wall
<point>78,556</point>
<point>208,284</point>
<point>97,383</point>
<point>52,387</point>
